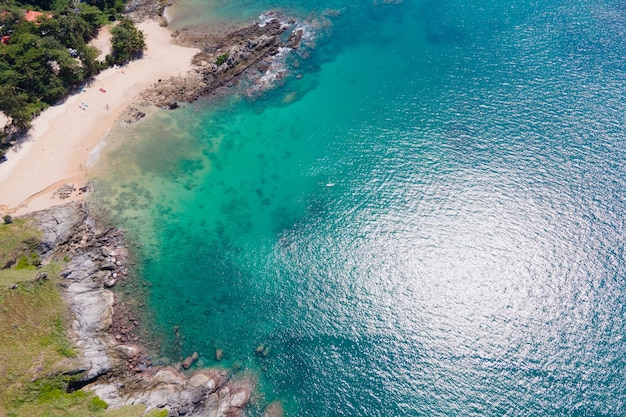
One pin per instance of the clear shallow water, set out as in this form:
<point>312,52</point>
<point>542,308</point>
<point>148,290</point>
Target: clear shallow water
<point>430,222</point>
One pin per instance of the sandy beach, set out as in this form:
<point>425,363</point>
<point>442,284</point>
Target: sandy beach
<point>63,136</point>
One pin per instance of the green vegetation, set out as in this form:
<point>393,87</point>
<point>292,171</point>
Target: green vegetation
<point>43,57</point>
<point>19,260</point>
<point>35,353</point>
<point>17,239</point>
<point>27,262</point>
<point>221,59</point>
<point>127,42</point>
<point>32,342</point>
<point>42,60</point>
<point>97,404</point>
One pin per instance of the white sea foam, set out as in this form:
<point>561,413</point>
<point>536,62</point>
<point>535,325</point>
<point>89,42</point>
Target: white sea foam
<point>278,65</point>
<point>166,15</point>
<point>276,71</point>
<point>308,33</point>
<point>266,18</point>
<point>94,155</point>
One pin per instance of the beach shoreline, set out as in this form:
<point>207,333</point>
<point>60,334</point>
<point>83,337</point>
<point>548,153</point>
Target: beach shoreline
<point>62,138</point>
<point>47,175</point>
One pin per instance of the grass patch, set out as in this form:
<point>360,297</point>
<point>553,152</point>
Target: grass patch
<point>158,413</point>
<point>97,404</point>
<point>20,238</point>
<point>49,399</point>
<point>27,262</point>
<point>12,276</point>
<point>32,336</point>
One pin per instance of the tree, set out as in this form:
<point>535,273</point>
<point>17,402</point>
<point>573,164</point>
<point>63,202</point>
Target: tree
<point>88,56</point>
<point>40,62</point>
<point>14,105</point>
<point>127,42</point>
<point>92,15</point>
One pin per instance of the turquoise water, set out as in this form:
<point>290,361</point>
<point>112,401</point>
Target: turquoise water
<point>430,222</point>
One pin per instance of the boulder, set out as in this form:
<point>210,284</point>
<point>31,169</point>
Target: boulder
<point>274,409</point>
<point>240,396</point>
<point>107,266</point>
<point>189,360</point>
<point>127,351</point>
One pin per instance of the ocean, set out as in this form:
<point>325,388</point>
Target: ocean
<point>425,218</point>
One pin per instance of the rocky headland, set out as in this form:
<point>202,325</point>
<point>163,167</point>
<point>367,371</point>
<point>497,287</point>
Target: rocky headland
<point>256,47</point>
<point>257,56</point>
<point>112,363</point>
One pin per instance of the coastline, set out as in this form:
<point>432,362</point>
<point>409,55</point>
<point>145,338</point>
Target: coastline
<point>428,222</point>
<point>115,368</point>
<point>46,177</point>
<point>63,136</point>
<point>51,166</point>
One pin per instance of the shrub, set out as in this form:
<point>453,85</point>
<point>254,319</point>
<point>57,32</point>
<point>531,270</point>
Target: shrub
<point>22,263</point>
<point>34,260</point>
<point>7,219</point>
<point>97,404</point>
<point>221,59</point>
<point>112,14</point>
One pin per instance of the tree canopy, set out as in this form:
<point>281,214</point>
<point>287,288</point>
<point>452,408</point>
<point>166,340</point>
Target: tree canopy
<point>127,42</point>
<point>42,59</point>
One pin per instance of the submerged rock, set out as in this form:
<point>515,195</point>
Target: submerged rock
<point>274,409</point>
<point>189,360</point>
<point>263,350</point>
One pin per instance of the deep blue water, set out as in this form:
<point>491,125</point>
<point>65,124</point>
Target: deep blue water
<point>430,222</point>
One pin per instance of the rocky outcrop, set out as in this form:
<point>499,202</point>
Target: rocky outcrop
<point>206,393</point>
<point>92,307</point>
<point>111,363</point>
<point>58,226</point>
<point>66,234</point>
<point>147,9</point>
<point>225,57</point>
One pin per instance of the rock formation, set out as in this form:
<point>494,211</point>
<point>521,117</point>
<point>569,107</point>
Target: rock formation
<point>206,393</point>
<point>110,364</point>
<point>224,57</point>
